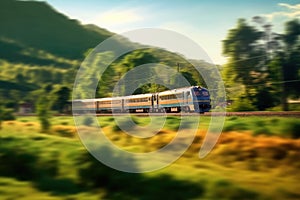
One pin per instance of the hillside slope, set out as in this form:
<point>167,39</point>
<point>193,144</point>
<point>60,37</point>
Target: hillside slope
<point>28,27</point>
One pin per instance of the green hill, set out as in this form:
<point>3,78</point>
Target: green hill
<point>30,26</point>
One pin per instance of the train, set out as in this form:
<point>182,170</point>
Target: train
<point>189,99</point>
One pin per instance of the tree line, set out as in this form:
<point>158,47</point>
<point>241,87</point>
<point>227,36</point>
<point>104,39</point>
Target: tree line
<point>263,68</point>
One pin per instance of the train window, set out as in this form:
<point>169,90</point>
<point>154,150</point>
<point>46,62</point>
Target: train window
<point>139,100</point>
<point>205,93</point>
<point>197,92</point>
<point>105,102</point>
<point>116,102</point>
<point>171,96</point>
<point>179,96</point>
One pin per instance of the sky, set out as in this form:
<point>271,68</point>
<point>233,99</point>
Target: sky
<point>206,22</point>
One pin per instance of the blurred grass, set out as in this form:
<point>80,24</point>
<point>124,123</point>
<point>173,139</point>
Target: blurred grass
<point>256,158</point>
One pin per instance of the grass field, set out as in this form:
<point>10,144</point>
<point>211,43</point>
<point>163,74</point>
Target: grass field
<point>255,158</point>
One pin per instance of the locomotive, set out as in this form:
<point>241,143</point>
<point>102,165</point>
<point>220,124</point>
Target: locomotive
<point>188,99</point>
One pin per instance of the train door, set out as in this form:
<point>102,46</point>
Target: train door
<point>152,102</point>
<point>157,103</point>
<point>187,99</point>
<point>122,106</point>
<point>97,106</point>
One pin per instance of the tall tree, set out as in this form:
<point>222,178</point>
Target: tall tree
<point>43,107</point>
<point>61,97</point>
<point>43,112</point>
<point>242,48</point>
<point>290,61</point>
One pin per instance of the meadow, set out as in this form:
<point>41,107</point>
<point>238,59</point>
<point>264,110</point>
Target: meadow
<point>254,158</point>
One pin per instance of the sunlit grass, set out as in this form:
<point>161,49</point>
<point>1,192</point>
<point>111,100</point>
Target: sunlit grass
<point>246,163</point>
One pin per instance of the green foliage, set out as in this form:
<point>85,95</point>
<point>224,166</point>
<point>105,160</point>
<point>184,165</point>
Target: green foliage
<point>292,127</point>
<point>246,66</point>
<point>61,97</point>
<point>23,163</point>
<point>94,174</point>
<point>261,130</point>
<point>223,189</point>
<point>1,115</point>
<point>172,123</point>
<point>239,47</point>
<point>8,114</point>
<point>17,163</point>
<point>235,126</point>
<point>242,104</point>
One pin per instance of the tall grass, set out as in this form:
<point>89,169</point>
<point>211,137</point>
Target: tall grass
<point>243,164</point>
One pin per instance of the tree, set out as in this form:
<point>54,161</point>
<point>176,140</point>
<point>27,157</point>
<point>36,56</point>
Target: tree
<point>249,65</point>
<point>43,112</point>
<point>1,115</point>
<point>240,47</point>
<point>61,97</point>
<point>290,61</point>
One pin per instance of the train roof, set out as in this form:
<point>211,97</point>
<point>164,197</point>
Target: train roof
<point>179,90</point>
<point>172,91</point>
<point>139,96</point>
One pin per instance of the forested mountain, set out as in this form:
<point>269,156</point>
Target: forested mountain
<point>33,32</point>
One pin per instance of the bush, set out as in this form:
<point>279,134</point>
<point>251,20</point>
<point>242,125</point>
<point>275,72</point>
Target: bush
<point>261,130</point>
<point>242,105</point>
<point>173,123</point>
<point>88,121</point>
<point>8,114</point>
<point>124,124</point>
<point>95,174</point>
<point>292,127</point>
<point>64,131</point>
<point>223,189</point>
<point>22,164</point>
<point>17,163</point>
<point>121,185</point>
<point>234,126</point>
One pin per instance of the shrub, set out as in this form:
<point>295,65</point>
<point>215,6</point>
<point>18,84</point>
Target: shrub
<point>234,126</point>
<point>223,189</point>
<point>87,121</point>
<point>8,114</point>
<point>242,105</point>
<point>121,185</point>
<point>125,124</point>
<point>292,127</point>
<point>64,131</point>
<point>259,130</point>
<point>17,163</point>
<point>172,123</point>
<point>95,174</point>
<point>23,164</point>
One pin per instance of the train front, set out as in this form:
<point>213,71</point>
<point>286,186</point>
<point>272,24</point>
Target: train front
<point>201,99</point>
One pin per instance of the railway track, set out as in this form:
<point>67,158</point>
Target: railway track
<point>240,114</point>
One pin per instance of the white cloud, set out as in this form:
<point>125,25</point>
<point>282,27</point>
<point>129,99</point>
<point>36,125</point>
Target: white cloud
<point>117,17</point>
<point>210,43</point>
<point>292,11</point>
<point>295,7</point>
